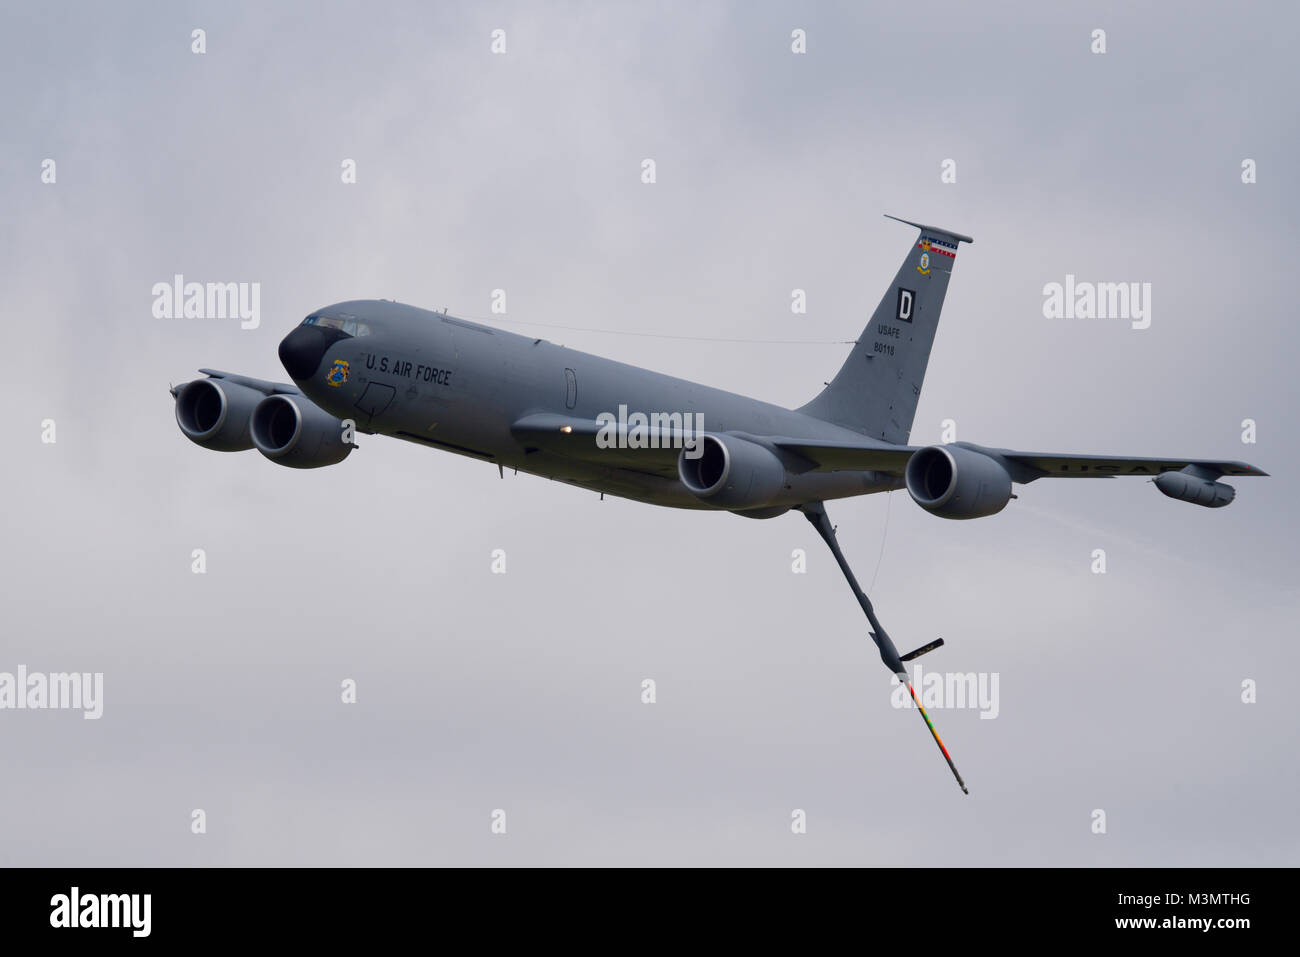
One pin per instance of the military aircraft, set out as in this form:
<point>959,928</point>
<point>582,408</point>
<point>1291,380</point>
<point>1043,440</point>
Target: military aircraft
<point>380,367</point>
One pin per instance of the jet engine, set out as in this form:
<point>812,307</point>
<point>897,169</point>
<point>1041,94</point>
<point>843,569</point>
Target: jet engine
<point>215,414</point>
<point>731,473</point>
<point>953,482</point>
<point>290,431</point>
<point>1190,485</point>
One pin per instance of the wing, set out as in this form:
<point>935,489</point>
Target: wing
<point>1057,465</point>
<point>1023,466</point>
<point>261,385</point>
<point>565,435</point>
<point>582,439</point>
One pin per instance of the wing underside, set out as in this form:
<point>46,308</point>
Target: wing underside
<point>1023,466</point>
<point>581,439</point>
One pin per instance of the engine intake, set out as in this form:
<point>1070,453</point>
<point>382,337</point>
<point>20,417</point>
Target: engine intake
<point>731,473</point>
<point>953,482</point>
<point>290,431</point>
<point>214,414</point>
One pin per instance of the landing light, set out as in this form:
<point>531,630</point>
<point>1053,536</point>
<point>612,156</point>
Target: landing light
<point>566,428</point>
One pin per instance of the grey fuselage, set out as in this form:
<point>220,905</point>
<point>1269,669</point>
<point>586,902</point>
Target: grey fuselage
<point>447,383</point>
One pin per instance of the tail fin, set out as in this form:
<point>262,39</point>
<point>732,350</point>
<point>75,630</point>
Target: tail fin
<point>876,390</point>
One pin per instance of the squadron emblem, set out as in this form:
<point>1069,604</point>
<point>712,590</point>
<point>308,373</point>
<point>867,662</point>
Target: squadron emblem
<point>338,374</point>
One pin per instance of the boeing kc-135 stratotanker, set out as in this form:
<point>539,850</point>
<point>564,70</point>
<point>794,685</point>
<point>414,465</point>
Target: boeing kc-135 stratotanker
<point>379,367</point>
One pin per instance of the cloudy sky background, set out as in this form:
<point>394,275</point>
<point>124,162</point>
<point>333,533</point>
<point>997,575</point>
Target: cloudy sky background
<point>522,692</point>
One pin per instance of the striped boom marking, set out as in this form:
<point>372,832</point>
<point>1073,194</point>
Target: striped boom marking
<point>930,724</point>
<point>815,512</point>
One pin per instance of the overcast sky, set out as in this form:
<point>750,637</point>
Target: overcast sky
<point>522,171</point>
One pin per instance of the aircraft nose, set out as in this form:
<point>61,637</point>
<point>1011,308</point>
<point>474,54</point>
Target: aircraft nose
<point>302,350</point>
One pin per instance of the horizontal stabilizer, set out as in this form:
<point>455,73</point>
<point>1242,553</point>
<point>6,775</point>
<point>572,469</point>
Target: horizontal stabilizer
<point>932,229</point>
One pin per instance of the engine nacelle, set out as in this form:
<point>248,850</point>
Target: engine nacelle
<point>953,482</point>
<point>289,430</point>
<point>731,473</point>
<point>215,414</point>
<point>1193,488</point>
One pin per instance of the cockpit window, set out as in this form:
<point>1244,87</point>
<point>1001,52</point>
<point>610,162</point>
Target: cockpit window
<point>349,327</point>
